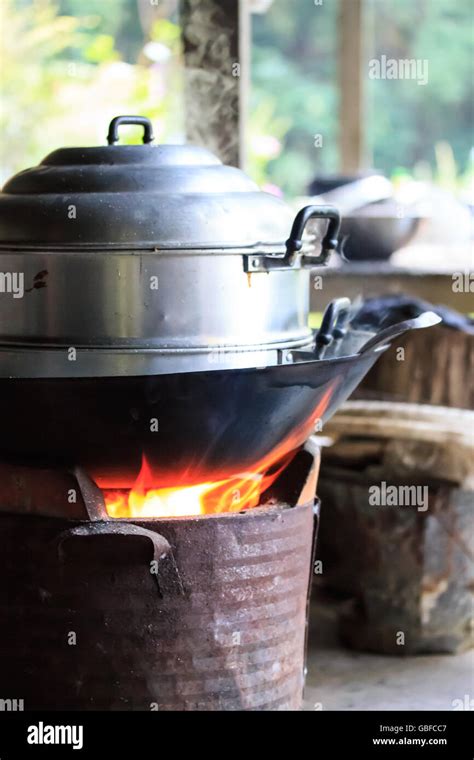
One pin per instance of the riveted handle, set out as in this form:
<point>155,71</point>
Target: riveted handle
<point>167,578</point>
<point>333,325</point>
<point>329,243</point>
<point>294,244</point>
<point>141,121</point>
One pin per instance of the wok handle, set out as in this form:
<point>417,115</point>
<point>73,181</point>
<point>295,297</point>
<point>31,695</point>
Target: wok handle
<point>333,325</point>
<point>164,571</point>
<point>329,243</point>
<point>426,319</point>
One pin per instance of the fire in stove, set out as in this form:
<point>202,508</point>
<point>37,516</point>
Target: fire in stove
<point>155,492</point>
<point>233,494</point>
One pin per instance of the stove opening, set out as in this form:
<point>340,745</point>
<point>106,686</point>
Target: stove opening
<point>72,494</point>
<point>234,494</point>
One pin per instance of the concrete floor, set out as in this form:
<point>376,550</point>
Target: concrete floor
<point>339,679</point>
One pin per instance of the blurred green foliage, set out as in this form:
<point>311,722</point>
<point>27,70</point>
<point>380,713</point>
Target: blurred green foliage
<point>68,66</point>
<point>406,121</point>
<point>294,69</point>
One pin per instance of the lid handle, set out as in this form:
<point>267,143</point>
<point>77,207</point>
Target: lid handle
<point>142,121</point>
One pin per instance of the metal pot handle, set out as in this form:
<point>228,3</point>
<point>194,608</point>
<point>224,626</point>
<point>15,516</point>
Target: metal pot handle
<point>426,319</point>
<point>141,121</point>
<point>329,243</point>
<point>167,575</point>
<point>271,262</point>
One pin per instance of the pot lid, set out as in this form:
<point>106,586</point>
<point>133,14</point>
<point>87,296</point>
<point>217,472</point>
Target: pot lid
<point>141,197</point>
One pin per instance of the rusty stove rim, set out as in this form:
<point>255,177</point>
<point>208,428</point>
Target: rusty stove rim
<point>261,510</point>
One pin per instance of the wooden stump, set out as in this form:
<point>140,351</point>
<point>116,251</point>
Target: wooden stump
<point>407,568</point>
<point>437,368</point>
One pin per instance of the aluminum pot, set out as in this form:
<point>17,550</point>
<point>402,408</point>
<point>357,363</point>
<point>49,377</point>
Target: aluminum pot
<point>155,251</point>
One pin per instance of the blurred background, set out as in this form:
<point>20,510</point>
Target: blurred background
<point>316,118</point>
<point>68,66</point>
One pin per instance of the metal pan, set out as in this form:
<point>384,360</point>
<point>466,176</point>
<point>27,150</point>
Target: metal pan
<point>193,427</point>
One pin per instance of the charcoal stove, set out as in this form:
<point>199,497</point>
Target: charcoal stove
<point>178,614</point>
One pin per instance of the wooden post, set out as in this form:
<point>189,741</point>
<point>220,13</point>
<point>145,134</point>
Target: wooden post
<point>351,85</point>
<point>216,45</point>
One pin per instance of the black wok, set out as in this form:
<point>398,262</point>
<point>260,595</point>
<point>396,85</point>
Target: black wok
<point>193,427</point>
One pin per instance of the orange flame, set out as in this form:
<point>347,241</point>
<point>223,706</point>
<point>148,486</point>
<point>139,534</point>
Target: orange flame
<point>233,494</point>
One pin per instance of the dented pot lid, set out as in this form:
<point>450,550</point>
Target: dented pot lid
<point>139,197</point>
